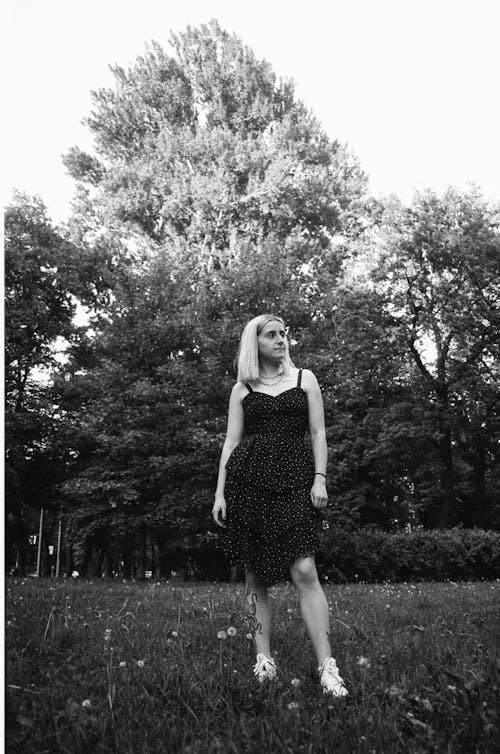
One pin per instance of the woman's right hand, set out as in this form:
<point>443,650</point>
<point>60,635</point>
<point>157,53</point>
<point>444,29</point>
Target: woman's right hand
<point>219,511</point>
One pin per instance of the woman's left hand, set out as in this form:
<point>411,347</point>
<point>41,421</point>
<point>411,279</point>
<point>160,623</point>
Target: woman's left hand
<point>319,495</point>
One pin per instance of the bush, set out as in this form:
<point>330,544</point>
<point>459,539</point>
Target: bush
<point>370,554</point>
<point>366,554</point>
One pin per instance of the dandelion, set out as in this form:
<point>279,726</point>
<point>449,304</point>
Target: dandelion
<point>293,705</point>
<point>122,664</point>
<point>87,704</point>
<point>231,631</point>
<point>295,682</point>
<point>364,662</point>
<point>221,635</point>
<point>140,663</point>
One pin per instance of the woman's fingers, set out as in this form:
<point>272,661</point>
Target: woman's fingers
<point>319,502</point>
<point>219,514</point>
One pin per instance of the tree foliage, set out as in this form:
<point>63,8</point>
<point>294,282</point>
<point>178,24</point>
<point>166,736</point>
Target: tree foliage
<point>439,270</point>
<point>45,276</point>
<point>213,195</point>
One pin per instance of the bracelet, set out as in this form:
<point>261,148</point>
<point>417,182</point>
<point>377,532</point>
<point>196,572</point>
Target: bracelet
<point>320,473</point>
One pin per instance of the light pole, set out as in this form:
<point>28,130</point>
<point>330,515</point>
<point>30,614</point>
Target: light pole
<point>40,535</point>
<point>59,537</point>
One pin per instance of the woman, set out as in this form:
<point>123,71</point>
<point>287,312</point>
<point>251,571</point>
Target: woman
<point>271,489</point>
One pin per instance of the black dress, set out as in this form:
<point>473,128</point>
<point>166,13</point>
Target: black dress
<point>270,518</point>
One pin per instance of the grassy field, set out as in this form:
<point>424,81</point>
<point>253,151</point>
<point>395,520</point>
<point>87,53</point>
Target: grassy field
<point>139,667</point>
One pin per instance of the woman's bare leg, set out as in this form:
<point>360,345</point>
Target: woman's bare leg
<point>258,613</point>
<point>313,606</point>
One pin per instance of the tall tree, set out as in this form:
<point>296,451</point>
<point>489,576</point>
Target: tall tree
<point>440,268</point>
<point>221,194</point>
<point>45,277</point>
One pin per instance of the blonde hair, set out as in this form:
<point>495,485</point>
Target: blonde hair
<point>248,351</point>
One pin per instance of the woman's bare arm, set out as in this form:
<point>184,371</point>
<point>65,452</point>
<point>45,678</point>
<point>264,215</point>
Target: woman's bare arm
<point>234,433</point>
<point>317,431</point>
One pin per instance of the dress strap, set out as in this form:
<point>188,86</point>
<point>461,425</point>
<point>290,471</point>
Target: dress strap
<point>299,377</point>
<point>250,388</point>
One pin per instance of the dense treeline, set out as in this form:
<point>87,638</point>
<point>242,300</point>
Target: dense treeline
<point>214,195</point>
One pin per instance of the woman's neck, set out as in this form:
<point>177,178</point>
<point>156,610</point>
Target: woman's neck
<point>271,368</point>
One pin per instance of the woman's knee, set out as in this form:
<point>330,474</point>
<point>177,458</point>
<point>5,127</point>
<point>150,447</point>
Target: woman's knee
<point>303,572</point>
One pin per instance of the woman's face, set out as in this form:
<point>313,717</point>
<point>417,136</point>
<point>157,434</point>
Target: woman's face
<point>272,341</point>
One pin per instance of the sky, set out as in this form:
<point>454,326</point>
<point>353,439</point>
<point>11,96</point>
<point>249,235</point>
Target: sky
<point>411,86</point>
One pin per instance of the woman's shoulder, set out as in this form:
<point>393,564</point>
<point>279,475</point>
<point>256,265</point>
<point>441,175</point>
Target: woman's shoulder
<point>240,389</point>
<point>307,374</point>
<point>308,378</point>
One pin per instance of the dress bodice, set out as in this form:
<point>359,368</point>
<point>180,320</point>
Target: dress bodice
<point>283,414</point>
<point>273,453</point>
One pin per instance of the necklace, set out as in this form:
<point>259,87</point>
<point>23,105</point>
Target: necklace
<point>266,380</point>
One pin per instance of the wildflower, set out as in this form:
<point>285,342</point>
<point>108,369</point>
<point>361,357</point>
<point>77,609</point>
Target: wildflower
<point>231,631</point>
<point>249,636</point>
<point>140,663</point>
<point>122,664</point>
<point>222,635</point>
<point>364,662</point>
<point>174,633</point>
<point>295,682</point>
<point>107,634</point>
<point>87,703</point>
<point>293,705</point>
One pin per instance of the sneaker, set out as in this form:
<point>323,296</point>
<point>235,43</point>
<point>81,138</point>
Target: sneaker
<point>330,679</point>
<point>264,668</point>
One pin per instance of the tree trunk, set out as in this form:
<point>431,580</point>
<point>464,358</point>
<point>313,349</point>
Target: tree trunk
<point>446,497</point>
<point>107,565</point>
<point>69,559</point>
<point>100,563</point>
<point>154,555</point>
<point>480,501</point>
<point>141,555</point>
<point>446,477</point>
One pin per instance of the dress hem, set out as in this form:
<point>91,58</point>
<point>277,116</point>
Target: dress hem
<point>284,578</point>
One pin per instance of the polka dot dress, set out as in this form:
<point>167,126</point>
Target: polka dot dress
<point>271,520</point>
